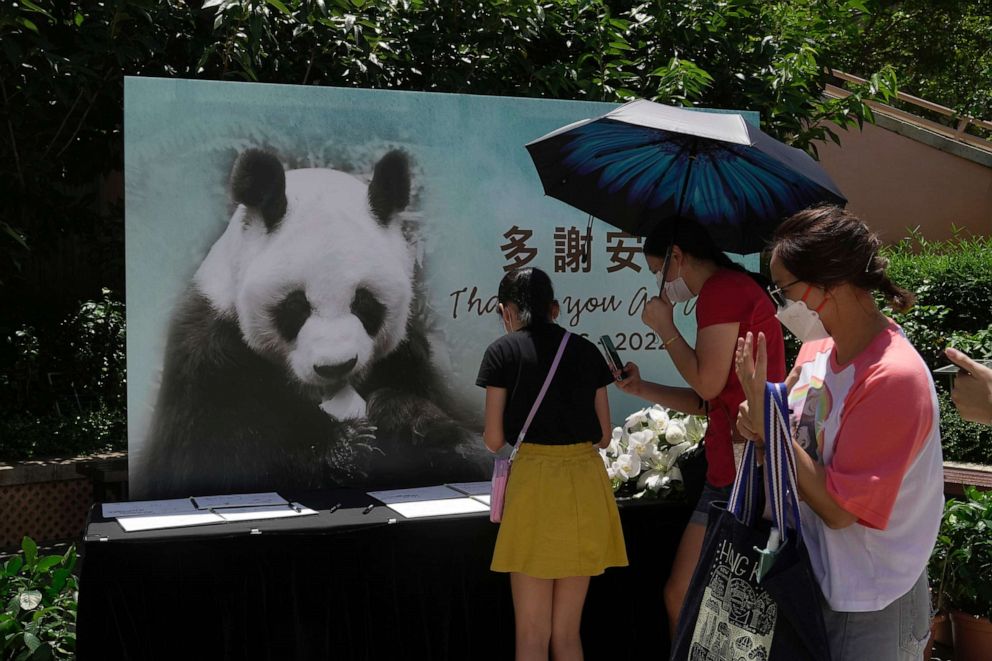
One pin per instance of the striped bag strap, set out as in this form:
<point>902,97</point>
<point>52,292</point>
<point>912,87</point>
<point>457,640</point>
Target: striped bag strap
<point>780,459</point>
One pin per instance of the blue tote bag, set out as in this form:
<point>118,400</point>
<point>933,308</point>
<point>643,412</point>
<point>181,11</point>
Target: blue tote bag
<point>753,596</point>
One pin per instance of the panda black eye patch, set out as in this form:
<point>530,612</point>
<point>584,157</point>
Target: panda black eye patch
<point>291,313</point>
<point>369,310</point>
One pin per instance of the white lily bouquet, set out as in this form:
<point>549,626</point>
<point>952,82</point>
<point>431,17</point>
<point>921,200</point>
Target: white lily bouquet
<point>641,458</point>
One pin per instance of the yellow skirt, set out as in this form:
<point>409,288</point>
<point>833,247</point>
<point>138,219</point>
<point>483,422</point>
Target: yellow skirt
<point>560,518</point>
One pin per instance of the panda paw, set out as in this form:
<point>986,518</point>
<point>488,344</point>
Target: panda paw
<point>353,452</point>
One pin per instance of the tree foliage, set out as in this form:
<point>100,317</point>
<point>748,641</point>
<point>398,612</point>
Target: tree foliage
<point>63,61</point>
<point>941,50</point>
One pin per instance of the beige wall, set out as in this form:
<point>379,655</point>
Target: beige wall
<point>894,182</point>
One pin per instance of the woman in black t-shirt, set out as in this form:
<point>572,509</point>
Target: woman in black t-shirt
<point>560,522</point>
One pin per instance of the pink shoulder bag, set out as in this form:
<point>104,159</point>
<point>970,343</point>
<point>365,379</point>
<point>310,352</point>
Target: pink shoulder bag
<point>501,467</point>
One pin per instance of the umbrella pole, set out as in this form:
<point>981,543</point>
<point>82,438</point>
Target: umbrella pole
<point>678,212</point>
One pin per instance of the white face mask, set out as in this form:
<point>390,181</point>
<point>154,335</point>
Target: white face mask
<point>802,322</point>
<point>675,291</point>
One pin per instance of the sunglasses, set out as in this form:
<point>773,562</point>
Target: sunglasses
<point>778,293</point>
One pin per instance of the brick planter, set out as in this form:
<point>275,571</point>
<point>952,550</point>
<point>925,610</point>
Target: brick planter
<point>48,500</point>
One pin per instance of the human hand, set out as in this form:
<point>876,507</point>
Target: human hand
<point>659,315</point>
<point>745,425</point>
<point>632,382</point>
<point>972,392</point>
<point>751,366</point>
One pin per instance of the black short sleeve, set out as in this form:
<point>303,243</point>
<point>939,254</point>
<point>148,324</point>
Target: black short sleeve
<point>602,376</point>
<point>492,371</point>
<point>520,362</point>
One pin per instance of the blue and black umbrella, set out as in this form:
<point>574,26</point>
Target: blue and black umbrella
<point>645,163</point>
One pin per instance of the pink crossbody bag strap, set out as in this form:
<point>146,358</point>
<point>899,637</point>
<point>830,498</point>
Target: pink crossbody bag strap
<point>540,395</point>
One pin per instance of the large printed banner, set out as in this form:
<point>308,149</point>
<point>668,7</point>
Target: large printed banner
<point>311,279</point>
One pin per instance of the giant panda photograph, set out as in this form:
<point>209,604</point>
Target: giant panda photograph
<point>300,355</point>
<point>311,278</point>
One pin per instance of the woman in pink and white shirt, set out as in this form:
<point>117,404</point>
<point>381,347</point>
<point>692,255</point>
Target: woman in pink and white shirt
<point>864,411</point>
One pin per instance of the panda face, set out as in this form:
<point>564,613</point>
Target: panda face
<point>325,290</point>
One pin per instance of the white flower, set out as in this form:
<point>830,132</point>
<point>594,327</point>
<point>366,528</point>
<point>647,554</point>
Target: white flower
<point>695,427</point>
<point>606,459</point>
<point>651,455</point>
<point>627,466</point>
<point>640,441</point>
<point>636,421</point>
<point>653,480</point>
<point>642,481</point>
<point>676,450</point>
<point>615,441</point>
<point>657,419</point>
<point>675,475</point>
<point>675,432</point>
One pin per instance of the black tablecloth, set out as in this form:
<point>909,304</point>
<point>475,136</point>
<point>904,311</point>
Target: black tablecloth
<point>347,585</point>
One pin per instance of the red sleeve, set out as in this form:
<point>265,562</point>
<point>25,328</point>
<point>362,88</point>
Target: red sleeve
<point>885,422</point>
<point>727,297</point>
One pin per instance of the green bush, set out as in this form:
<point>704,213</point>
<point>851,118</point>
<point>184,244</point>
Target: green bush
<point>963,554</point>
<point>962,440</point>
<point>953,284</point>
<point>65,390</point>
<point>39,594</point>
<point>99,429</point>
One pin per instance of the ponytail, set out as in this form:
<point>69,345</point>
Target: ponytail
<point>829,246</point>
<point>531,291</point>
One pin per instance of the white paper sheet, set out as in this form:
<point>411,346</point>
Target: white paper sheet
<point>482,499</point>
<point>473,488</point>
<point>264,512</point>
<point>439,507</point>
<point>136,523</point>
<point>148,507</point>
<point>240,500</point>
<point>415,495</point>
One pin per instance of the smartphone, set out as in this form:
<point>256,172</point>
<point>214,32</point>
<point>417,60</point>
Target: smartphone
<point>612,357</point>
<point>953,369</point>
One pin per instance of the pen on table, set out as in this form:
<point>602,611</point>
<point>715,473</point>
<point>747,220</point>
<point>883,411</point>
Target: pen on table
<point>334,509</point>
<point>368,509</point>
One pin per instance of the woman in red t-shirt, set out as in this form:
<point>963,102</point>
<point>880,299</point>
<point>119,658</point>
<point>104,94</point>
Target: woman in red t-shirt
<point>729,304</point>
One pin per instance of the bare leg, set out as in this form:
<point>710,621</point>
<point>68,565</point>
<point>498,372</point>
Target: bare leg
<point>532,599</point>
<point>682,568</point>
<point>566,616</point>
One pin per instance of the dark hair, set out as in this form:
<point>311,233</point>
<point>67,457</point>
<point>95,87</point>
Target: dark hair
<point>693,239</point>
<point>829,246</point>
<point>531,291</point>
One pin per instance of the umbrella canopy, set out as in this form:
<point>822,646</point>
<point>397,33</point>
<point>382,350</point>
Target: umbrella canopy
<point>645,162</point>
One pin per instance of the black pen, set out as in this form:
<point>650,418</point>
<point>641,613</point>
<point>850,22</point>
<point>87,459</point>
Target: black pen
<point>334,509</point>
<point>368,509</point>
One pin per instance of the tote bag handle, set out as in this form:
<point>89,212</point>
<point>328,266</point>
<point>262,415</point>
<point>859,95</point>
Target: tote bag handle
<point>780,470</point>
<point>781,476</point>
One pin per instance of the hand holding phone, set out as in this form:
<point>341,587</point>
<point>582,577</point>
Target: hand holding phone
<point>612,357</point>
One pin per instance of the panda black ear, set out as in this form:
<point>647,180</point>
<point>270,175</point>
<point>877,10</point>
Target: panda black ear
<point>258,181</point>
<point>389,191</point>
